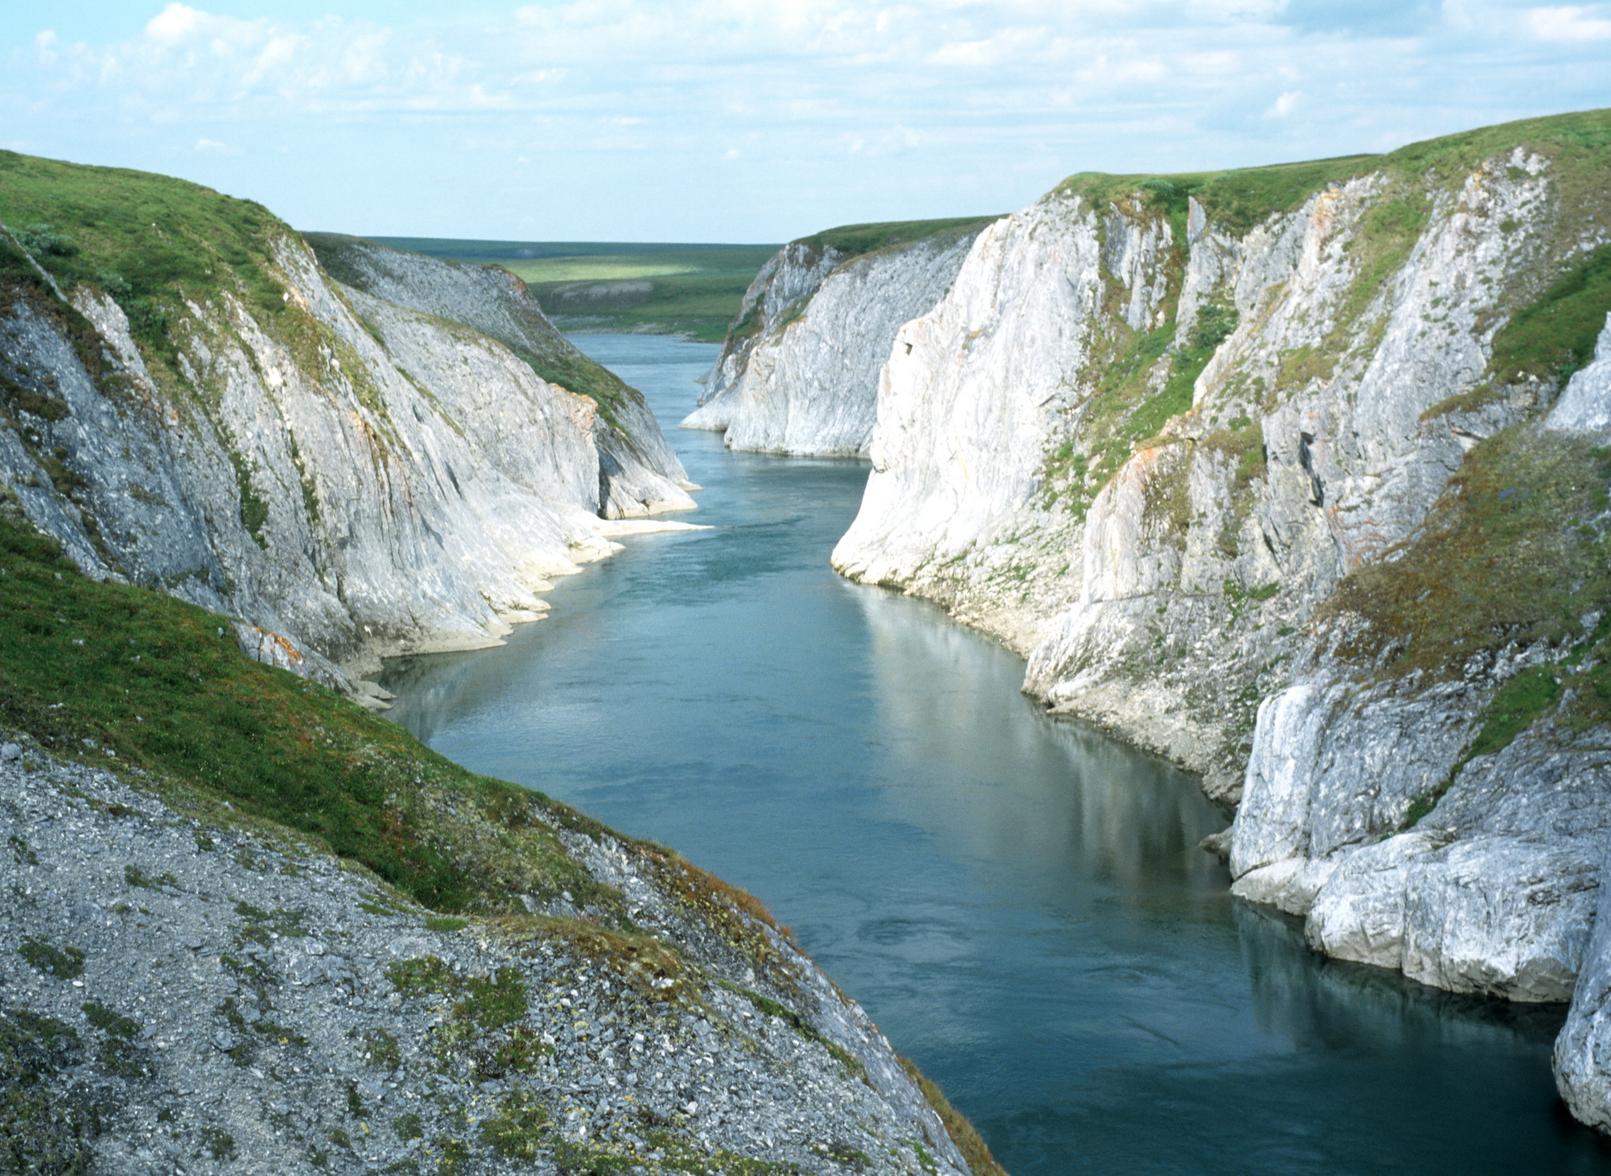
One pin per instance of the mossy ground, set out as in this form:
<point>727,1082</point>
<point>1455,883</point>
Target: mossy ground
<point>147,240</point>
<point>162,684</point>
<point>1516,554</point>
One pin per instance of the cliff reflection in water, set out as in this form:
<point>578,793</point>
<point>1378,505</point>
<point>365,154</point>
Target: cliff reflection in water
<point>1018,788</point>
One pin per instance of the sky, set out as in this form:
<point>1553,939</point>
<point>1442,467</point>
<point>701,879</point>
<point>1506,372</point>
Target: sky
<point>724,120</point>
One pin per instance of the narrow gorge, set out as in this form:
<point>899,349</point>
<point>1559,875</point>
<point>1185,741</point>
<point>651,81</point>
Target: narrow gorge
<point>1282,493</point>
<point>251,923</point>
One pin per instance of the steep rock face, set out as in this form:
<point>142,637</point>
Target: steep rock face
<point>1583,1050</point>
<point>806,382</point>
<point>358,476</point>
<point>1106,438</point>
<point>1260,470</point>
<point>793,274</point>
<point>639,474</point>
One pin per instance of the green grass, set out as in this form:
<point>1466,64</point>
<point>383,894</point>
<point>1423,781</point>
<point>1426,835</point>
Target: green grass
<point>690,290</point>
<point>858,239</point>
<point>1552,338</point>
<point>1514,551</point>
<point>147,240</point>
<point>1124,410</point>
<point>1236,200</point>
<point>153,679</point>
<point>1515,706</point>
<point>64,963</point>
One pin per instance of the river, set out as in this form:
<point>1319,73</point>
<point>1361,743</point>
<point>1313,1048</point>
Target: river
<point>1018,901</point>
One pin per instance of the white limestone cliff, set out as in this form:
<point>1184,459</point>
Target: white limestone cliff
<point>1149,446</point>
<point>355,476</point>
<point>805,381</point>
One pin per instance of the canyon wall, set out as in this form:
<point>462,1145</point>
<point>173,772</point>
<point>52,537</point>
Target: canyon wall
<point>347,466</point>
<point>1297,476</point>
<point>799,371</point>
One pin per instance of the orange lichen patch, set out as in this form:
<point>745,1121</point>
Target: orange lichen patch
<point>290,651</point>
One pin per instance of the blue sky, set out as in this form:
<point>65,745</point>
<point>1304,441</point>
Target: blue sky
<point>725,120</point>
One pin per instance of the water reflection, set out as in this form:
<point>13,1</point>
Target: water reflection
<point>1001,782</point>
<point>1019,901</point>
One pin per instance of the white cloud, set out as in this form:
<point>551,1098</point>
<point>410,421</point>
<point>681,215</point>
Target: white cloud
<point>175,23</point>
<point>1571,23</point>
<point>997,95</point>
<point>1285,103</point>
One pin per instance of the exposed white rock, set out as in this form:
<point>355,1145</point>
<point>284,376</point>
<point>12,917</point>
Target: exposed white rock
<point>1585,405</point>
<point>809,385</point>
<point>638,471</point>
<point>792,274</point>
<point>1583,1050</point>
<point>360,478</point>
<point>1168,593</point>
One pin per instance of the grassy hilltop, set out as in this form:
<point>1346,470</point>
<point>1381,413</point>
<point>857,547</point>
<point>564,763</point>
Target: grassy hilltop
<point>677,289</point>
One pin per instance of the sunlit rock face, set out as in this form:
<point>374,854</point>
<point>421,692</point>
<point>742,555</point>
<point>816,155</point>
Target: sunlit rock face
<point>1197,462</point>
<point>359,474</point>
<point>802,376</point>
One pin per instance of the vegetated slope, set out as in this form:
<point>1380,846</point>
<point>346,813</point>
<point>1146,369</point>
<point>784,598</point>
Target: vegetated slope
<point>799,368</point>
<point>1294,474</point>
<point>250,922</point>
<point>189,402</point>
<point>690,289</point>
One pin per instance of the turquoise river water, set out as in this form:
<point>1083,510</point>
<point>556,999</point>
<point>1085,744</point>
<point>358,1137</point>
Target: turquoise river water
<point>1018,901</point>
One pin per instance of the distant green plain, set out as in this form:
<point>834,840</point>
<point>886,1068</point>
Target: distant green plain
<point>692,290</point>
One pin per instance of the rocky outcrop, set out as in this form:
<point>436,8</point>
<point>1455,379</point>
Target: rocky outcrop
<point>638,472</point>
<point>1280,477</point>
<point>1583,1050</point>
<point>350,468</point>
<point>799,371</point>
<point>181,995</point>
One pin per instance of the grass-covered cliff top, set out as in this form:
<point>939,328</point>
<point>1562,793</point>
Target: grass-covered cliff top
<point>145,239</point>
<point>1236,200</point>
<point>152,241</point>
<point>853,240</point>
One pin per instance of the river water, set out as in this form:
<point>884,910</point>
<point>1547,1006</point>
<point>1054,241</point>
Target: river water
<point>1018,901</point>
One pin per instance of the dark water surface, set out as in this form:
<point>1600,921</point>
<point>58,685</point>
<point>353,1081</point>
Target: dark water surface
<point>1019,902</point>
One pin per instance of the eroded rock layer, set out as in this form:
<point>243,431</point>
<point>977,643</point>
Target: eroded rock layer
<point>189,401</point>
